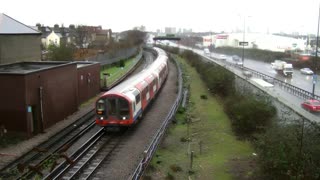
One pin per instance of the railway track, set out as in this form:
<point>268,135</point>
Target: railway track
<point>33,161</point>
<point>89,157</point>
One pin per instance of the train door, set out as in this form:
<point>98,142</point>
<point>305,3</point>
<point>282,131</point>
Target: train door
<point>154,83</point>
<point>137,101</point>
<point>117,109</point>
<point>147,93</point>
<point>123,109</point>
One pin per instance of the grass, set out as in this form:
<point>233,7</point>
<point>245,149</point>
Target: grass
<point>116,72</point>
<point>210,128</point>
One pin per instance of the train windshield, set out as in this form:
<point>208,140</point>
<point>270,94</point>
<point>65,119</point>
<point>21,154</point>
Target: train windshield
<point>101,105</point>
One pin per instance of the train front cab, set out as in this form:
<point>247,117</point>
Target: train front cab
<point>113,111</point>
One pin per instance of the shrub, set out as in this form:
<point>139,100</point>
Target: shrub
<point>175,168</point>
<point>283,155</point>
<point>248,115</point>
<point>204,96</point>
<point>121,63</point>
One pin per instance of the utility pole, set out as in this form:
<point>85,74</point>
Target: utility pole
<point>243,38</point>
<point>315,64</point>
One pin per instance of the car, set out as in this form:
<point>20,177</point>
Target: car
<point>222,57</point>
<point>268,79</point>
<point>311,105</point>
<point>235,58</point>
<point>247,74</point>
<point>306,71</point>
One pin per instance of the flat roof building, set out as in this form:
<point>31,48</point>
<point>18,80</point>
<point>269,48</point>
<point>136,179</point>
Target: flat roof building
<point>36,95</point>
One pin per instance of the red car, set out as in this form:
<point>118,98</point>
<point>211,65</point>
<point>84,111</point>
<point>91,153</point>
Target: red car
<point>312,105</point>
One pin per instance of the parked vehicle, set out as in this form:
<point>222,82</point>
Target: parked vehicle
<point>282,67</point>
<point>311,105</point>
<point>306,71</point>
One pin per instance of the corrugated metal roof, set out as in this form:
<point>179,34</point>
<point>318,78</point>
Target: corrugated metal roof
<point>9,25</point>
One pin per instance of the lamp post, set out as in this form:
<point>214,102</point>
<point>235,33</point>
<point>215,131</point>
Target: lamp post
<point>315,60</point>
<point>243,38</point>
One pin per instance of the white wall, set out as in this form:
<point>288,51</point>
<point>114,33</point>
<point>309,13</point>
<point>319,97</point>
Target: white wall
<point>53,38</point>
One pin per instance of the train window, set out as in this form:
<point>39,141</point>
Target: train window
<point>123,108</point>
<point>112,104</point>
<point>100,105</point>
<point>137,98</point>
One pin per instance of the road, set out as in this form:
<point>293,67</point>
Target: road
<point>299,80</point>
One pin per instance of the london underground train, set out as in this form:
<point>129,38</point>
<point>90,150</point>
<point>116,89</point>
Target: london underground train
<point>124,104</point>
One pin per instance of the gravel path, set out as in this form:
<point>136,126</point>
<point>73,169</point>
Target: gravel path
<point>125,160</point>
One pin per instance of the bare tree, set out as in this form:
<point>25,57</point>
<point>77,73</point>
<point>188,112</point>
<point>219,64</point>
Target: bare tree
<point>81,36</point>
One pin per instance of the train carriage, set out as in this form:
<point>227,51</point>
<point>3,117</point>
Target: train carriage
<point>125,103</point>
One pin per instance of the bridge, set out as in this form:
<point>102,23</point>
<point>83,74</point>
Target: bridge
<point>166,38</point>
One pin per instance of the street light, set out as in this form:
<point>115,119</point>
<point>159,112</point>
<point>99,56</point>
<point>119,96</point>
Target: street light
<point>316,58</point>
<point>243,38</point>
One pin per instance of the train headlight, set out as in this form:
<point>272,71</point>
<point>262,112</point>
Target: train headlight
<point>123,118</point>
<point>101,118</point>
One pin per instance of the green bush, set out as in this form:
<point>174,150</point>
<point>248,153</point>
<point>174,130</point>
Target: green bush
<point>122,63</point>
<point>248,115</point>
<point>60,53</point>
<point>283,155</point>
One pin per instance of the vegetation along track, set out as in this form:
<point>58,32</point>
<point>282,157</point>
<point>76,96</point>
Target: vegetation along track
<point>34,161</point>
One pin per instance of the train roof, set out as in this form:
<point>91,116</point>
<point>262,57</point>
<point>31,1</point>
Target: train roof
<point>135,79</point>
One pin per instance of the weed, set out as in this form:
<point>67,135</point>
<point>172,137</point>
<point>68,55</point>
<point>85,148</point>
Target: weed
<point>175,168</point>
<point>204,96</point>
<point>169,176</point>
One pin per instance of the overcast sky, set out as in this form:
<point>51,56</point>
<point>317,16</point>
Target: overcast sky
<point>199,15</point>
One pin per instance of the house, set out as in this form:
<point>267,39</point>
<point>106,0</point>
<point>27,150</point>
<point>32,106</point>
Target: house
<point>18,42</point>
<point>101,38</point>
<point>53,38</point>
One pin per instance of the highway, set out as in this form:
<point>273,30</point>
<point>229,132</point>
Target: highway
<point>299,80</point>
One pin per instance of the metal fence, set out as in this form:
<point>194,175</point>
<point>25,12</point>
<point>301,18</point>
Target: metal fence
<point>148,153</point>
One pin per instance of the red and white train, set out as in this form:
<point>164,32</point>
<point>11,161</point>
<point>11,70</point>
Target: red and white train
<point>125,103</point>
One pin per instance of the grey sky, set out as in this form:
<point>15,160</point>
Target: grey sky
<point>200,15</point>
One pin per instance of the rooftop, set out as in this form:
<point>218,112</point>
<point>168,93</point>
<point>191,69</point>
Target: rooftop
<point>9,25</point>
<point>81,64</point>
<point>30,67</point>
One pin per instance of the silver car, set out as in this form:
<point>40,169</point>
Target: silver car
<point>306,71</point>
